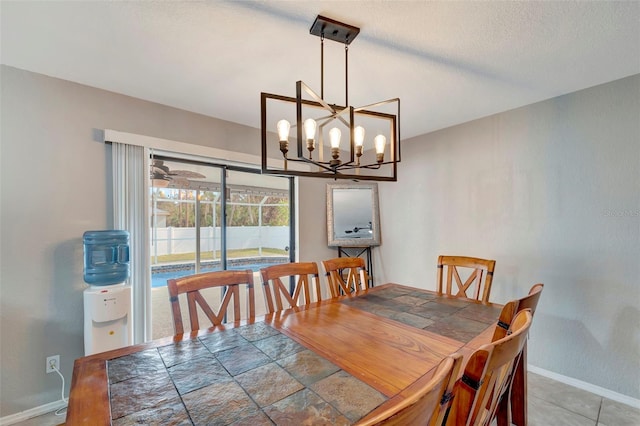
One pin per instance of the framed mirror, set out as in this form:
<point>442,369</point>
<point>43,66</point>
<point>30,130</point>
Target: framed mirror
<point>353,218</point>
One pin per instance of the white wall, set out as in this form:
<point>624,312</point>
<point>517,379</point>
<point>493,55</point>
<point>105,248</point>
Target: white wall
<point>55,184</point>
<point>312,209</point>
<point>552,192</point>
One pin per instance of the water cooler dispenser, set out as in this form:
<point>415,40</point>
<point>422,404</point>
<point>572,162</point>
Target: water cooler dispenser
<point>107,302</point>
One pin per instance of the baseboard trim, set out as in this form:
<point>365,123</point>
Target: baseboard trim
<point>33,412</point>
<point>606,393</point>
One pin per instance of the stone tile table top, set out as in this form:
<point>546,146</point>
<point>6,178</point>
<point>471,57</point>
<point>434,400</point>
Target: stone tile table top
<point>333,362</point>
<point>247,375</point>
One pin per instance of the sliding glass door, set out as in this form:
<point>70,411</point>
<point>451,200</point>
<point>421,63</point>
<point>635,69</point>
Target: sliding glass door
<point>208,217</point>
<point>258,229</point>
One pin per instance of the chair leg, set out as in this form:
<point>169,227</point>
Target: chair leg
<point>503,414</point>
<point>519,391</point>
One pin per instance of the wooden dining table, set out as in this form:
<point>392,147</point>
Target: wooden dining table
<point>332,362</point>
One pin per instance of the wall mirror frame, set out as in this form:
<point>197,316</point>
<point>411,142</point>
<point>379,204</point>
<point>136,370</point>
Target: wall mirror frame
<point>353,215</point>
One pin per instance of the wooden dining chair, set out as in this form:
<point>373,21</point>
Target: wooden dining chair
<point>277,293</point>
<point>509,310</point>
<point>480,268</point>
<point>481,394</point>
<point>228,281</point>
<point>351,267</point>
<point>516,402</point>
<point>427,404</point>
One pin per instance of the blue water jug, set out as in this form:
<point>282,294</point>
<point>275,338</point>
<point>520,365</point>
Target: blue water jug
<point>106,257</point>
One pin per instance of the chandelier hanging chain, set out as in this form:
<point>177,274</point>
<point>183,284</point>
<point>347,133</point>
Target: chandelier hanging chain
<point>346,74</point>
<point>322,65</point>
<point>346,69</point>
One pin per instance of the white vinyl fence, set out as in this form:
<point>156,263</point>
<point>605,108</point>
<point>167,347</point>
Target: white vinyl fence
<point>183,240</point>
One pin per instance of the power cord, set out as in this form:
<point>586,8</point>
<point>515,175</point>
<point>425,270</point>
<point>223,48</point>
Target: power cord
<point>59,411</point>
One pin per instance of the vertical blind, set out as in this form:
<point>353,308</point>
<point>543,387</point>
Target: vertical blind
<point>131,213</point>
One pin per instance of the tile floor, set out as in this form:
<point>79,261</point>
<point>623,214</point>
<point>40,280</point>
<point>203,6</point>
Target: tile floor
<point>554,403</point>
<point>550,403</point>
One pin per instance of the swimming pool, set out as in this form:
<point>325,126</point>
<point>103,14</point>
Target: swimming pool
<point>159,279</point>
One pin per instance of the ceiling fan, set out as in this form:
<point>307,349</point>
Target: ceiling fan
<point>356,230</point>
<point>161,175</point>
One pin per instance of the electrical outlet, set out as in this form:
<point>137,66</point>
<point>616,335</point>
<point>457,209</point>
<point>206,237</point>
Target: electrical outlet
<point>53,361</point>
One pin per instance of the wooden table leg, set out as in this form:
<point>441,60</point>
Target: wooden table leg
<point>519,391</point>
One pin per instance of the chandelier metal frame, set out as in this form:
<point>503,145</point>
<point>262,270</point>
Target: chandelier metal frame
<point>336,168</point>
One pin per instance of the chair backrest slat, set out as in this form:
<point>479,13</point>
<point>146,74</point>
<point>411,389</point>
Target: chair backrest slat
<point>479,280</point>
<point>530,301</point>
<point>427,404</point>
<point>509,310</point>
<point>191,286</point>
<point>357,277</point>
<point>276,291</point>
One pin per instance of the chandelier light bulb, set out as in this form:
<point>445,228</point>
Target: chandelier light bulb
<point>334,141</point>
<point>358,135</point>
<point>310,128</point>
<point>310,132</point>
<point>283,130</point>
<point>334,138</point>
<point>379,143</point>
<point>283,127</point>
<point>358,139</point>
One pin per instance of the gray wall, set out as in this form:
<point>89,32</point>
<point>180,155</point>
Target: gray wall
<point>55,184</point>
<point>552,192</point>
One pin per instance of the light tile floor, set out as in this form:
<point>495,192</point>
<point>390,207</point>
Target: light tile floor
<point>551,403</point>
<point>555,403</point>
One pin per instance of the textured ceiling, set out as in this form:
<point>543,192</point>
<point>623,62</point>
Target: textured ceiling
<point>448,62</point>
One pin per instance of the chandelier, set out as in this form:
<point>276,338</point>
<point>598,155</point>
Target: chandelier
<point>318,127</point>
